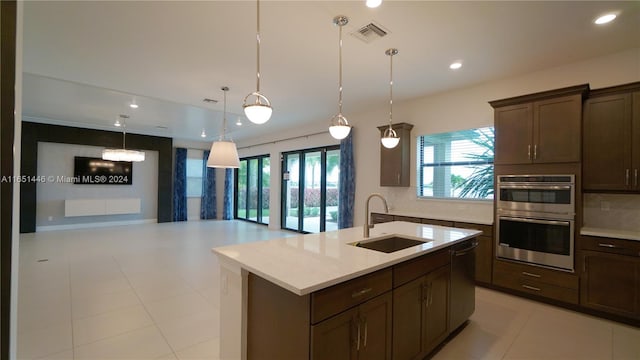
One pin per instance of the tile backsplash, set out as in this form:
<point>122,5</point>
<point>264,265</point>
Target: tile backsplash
<point>612,211</point>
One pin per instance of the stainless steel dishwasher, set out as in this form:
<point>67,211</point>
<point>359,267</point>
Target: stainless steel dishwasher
<point>463,288</point>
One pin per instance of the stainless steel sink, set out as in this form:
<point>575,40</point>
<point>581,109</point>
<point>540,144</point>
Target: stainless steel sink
<point>389,244</point>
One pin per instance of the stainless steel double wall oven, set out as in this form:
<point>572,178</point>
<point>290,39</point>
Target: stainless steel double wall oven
<point>536,219</point>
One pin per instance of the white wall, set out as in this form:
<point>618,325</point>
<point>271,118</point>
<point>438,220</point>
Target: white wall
<point>58,160</point>
<point>454,110</point>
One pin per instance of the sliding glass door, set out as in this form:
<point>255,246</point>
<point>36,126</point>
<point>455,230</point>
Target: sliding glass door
<point>309,189</point>
<point>252,189</point>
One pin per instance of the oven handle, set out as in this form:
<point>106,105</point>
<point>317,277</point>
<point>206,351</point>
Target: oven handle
<point>536,187</point>
<point>536,221</point>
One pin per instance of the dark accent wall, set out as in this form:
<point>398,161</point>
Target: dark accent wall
<point>7,121</point>
<point>32,133</point>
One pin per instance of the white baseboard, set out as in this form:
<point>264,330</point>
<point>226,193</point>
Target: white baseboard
<point>94,225</point>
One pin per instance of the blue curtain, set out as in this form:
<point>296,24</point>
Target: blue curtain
<point>180,186</point>
<point>208,205</point>
<point>347,185</point>
<point>228,195</point>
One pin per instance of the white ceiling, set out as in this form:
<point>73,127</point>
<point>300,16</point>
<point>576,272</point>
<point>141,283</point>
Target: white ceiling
<point>84,61</point>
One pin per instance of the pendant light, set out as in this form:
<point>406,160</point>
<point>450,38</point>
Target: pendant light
<point>223,152</point>
<point>340,127</point>
<point>123,154</point>
<point>260,111</point>
<point>389,138</point>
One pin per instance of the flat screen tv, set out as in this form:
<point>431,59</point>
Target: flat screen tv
<point>95,171</point>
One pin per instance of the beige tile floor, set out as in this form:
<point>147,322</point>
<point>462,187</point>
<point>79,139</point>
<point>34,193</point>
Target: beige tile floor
<point>151,292</point>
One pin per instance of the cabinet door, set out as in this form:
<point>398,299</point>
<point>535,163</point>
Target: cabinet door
<point>484,259</point>
<point>409,301</point>
<point>556,130</point>
<point>607,142</point>
<point>336,337</point>
<point>611,283</point>
<point>514,134</point>
<point>375,328</point>
<point>635,141</point>
<point>435,325</point>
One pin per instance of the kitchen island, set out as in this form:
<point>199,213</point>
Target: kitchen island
<point>319,296</point>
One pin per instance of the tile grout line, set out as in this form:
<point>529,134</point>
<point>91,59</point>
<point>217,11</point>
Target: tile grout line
<point>533,309</point>
<point>153,320</point>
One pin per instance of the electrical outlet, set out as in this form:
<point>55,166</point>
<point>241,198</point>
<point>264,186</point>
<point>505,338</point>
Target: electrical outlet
<point>605,206</point>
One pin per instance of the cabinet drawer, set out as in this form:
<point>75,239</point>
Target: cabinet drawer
<point>437,222</point>
<point>533,287</point>
<point>613,246</point>
<point>535,273</point>
<point>487,230</point>
<point>413,269</point>
<point>407,218</point>
<point>330,301</point>
<point>377,218</point>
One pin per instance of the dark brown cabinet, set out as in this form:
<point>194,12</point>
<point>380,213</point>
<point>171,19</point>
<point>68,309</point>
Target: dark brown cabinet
<point>610,279</point>
<point>395,163</point>
<point>421,307</point>
<point>612,139</point>
<point>363,332</point>
<point>539,128</point>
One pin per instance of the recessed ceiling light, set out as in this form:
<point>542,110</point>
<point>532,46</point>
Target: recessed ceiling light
<point>133,105</point>
<point>604,19</point>
<point>117,123</point>
<point>239,121</point>
<point>455,65</point>
<point>373,3</point>
<point>203,134</point>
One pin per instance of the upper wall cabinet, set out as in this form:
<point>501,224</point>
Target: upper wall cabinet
<point>395,163</point>
<point>611,154</point>
<point>539,128</point>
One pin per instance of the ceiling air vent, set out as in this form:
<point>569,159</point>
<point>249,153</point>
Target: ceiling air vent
<point>370,32</point>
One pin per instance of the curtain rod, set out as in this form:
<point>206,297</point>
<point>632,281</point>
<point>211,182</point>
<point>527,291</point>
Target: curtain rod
<point>282,140</point>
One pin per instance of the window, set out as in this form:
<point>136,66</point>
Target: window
<point>253,180</point>
<point>456,164</point>
<point>194,176</point>
<point>309,195</point>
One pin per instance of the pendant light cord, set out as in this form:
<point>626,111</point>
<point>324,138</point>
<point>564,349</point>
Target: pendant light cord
<point>340,72</point>
<point>258,46</point>
<point>224,114</point>
<point>391,91</point>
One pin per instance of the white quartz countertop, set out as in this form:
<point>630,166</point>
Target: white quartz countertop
<point>611,233</point>
<point>306,263</point>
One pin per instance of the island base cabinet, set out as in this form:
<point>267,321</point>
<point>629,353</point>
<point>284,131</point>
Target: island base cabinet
<point>359,333</point>
<point>420,314</point>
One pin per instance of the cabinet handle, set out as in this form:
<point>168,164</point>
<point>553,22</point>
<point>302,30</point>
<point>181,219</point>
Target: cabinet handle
<point>535,152</point>
<point>530,274</point>
<point>364,343</point>
<point>611,246</point>
<point>635,177</point>
<point>356,294</point>
<point>430,294</point>
<point>398,181</point>
<point>358,341</point>
<point>530,287</point>
<point>529,151</point>
<point>626,178</point>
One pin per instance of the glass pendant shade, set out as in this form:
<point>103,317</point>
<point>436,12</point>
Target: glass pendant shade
<point>339,128</point>
<point>224,154</point>
<point>373,3</point>
<point>122,155</point>
<point>390,139</point>
<point>260,111</point>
